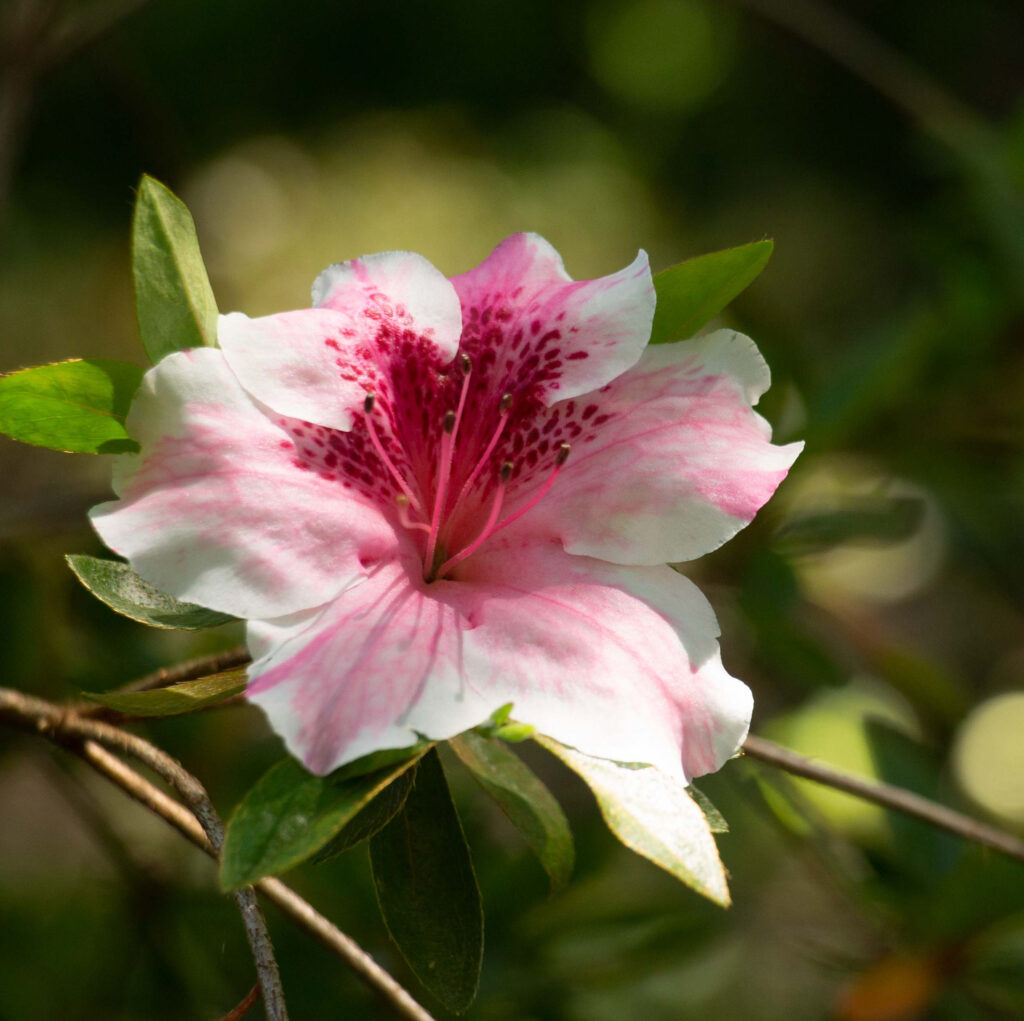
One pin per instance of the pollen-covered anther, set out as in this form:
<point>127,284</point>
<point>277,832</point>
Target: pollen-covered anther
<point>403,515</point>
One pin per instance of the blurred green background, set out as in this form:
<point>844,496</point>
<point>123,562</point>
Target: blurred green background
<point>874,606</point>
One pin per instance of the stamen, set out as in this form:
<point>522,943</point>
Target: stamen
<point>371,431</point>
<point>486,532</point>
<point>403,516</point>
<point>503,406</point>
<point>451,429</point>
<point>560,459</point>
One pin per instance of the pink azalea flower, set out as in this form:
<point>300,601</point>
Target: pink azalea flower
<point>432,497</point>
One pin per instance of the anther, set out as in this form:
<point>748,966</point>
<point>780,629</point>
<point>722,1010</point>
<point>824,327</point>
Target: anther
<point>465,362</point>
<point>371,432</point>
<point>449,422</point>
<point>506,472</point>
<point>563,455</point>
<point>505,403</point>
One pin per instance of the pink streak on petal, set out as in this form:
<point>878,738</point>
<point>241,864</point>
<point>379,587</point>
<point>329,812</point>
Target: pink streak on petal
<point>618,662</point>
<point>350,681</point>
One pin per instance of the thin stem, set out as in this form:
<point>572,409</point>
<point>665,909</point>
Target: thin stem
<point>885,795</point>
<point>243,1008</point>
<point>881,66</point>
<point>50,721</point>
<point>67,723</point>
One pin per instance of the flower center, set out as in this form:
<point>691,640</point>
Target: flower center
<point>455,506</point>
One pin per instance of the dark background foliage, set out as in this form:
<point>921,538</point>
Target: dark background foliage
<point>874,607</point>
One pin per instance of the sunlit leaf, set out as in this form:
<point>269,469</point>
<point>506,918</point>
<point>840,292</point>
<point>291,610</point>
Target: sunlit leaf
<point>653,815</point>
<point>524,798</point>
<point>290,814</point>
<point>78,406</point>
<point>427,890</point>
<point>117,585</point>
<point>176,699</point>
<point>695,291</point>
<point>173,298</point>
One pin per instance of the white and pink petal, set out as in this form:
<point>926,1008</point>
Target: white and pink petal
<point>373,314</point>
<point>218,510</point>
<point>618,662</point>
<point>377,668</point>
<point>537,333</point>
<point>667,462</point>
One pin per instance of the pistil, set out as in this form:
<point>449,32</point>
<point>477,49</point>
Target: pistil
<point>450,433</point>
<point>490,528</point>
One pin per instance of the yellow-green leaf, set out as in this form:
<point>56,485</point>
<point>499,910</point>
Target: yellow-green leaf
<point>174,302</point>
<point>186,697</point>
<point>78,406</point>
<point>653,815</point>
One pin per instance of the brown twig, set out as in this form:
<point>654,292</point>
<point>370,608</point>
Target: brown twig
<point>23,712</point>
<point>238,1012</point>
<point>885,795</point>
<point>62,723</point>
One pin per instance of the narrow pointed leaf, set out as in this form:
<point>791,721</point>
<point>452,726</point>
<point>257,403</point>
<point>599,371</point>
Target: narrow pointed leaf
<point>289,815</point>
<point>715,818</point>
<point>524,798</point>
<point>76,406</point>
<point>653,815</point>
<point>181,698</point>
<point>117,585</point>
<point>173,298</point>
<point>372,819</point>
<point>427,890</point>
<point>695,291</point>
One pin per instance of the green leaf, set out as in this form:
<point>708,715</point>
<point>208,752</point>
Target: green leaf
<point>173,298</point>
<point>77,406</point>
<point>176,699</point>
<point>694,291</point>
<point>653,815</point>
<point>716,821</point>
<point>382,759</point>
<point>427,890</point>
<point>372,819</point>
<point>289,815</point>
<point>527,802</point>
<point>117,585</point>
<point>862,521</point>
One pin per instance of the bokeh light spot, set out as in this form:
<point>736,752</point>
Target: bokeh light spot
<point>668,55</point>
<point>989,755</point>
